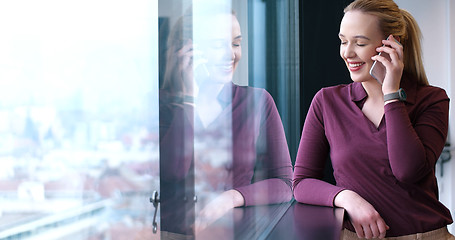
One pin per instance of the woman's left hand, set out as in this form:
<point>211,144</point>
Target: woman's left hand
<point>217,208</point>
<point>394,66</point>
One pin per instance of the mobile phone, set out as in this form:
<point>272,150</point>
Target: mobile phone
<point>378,70</point>
<point>201,72</point>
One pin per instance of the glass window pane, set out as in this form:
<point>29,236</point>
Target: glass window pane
<point>78,118</point>
<point>222,142</point>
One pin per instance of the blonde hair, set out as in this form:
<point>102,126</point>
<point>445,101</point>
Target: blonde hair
<point>400,23</point>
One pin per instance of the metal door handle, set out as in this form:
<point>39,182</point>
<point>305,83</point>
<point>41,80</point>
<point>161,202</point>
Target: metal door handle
<point>155,200</point>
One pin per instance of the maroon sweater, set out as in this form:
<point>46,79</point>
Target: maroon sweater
<point>392,166</point>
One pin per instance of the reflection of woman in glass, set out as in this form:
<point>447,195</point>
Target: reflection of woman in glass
<point>231,135</point>
<point>383,146</point>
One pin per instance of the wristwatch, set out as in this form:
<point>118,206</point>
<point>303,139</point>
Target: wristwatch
<point>400,95</point>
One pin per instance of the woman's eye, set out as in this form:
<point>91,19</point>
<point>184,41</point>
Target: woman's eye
<point>217,44</point>
<point>343,43</point>
<point>361,44</point>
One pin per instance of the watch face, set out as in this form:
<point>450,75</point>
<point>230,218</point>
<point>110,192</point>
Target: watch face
<point>402,94</point>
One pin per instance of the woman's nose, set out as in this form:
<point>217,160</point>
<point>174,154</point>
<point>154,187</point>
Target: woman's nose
<point>229,52</point>
<point>349,51</point>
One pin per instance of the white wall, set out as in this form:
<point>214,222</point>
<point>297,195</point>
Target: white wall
<point>436,19</point>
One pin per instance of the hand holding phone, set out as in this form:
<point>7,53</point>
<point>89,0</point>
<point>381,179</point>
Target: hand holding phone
<point>378,70</point>
<point>200,69</point>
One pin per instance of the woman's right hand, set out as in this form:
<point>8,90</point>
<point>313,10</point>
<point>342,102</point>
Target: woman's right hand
<point>365,219</point>
<point>182,64</point>
<point>179,68</point>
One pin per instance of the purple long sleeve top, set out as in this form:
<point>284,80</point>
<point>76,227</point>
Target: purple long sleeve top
<point>260,167</point>
<point>391,166</point>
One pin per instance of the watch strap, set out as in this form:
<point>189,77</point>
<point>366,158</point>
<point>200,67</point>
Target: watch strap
<point>400,95</point>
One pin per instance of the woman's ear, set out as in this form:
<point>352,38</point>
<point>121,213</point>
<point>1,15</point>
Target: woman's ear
<point>396,38</point>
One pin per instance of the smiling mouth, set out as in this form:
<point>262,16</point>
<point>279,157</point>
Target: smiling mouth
<point>225,67</point>
<point>354,65</point>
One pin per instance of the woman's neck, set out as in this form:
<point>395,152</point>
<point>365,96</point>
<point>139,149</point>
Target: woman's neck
<point>373,107</point>
<point>374,90</point>
<point>207,106</point>
<point>209,91</point>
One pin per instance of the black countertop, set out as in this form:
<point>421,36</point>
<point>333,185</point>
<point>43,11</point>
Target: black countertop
<point>280,221</point>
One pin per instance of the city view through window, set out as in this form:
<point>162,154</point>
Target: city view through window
<point>79,134</point>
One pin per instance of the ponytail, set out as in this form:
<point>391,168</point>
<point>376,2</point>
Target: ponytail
<point>413,63</point>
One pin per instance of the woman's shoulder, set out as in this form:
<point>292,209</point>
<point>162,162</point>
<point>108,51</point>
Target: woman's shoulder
<point>334,92</point>
<point>417,93</point>
<point>248,89</point>
<point>251,93</point>
<point>337,88</point>
<point>432,91</point>
<point>428,95</point>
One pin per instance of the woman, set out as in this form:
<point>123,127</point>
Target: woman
<point>226,138</point>
<point>382,144</point>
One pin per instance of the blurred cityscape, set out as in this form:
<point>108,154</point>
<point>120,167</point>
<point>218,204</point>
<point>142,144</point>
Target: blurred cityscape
<point>72,173</point>
<point>78,119</point>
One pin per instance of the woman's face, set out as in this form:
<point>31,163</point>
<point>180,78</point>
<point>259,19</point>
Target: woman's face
<point>222,47</point>
<point>360,36</point>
